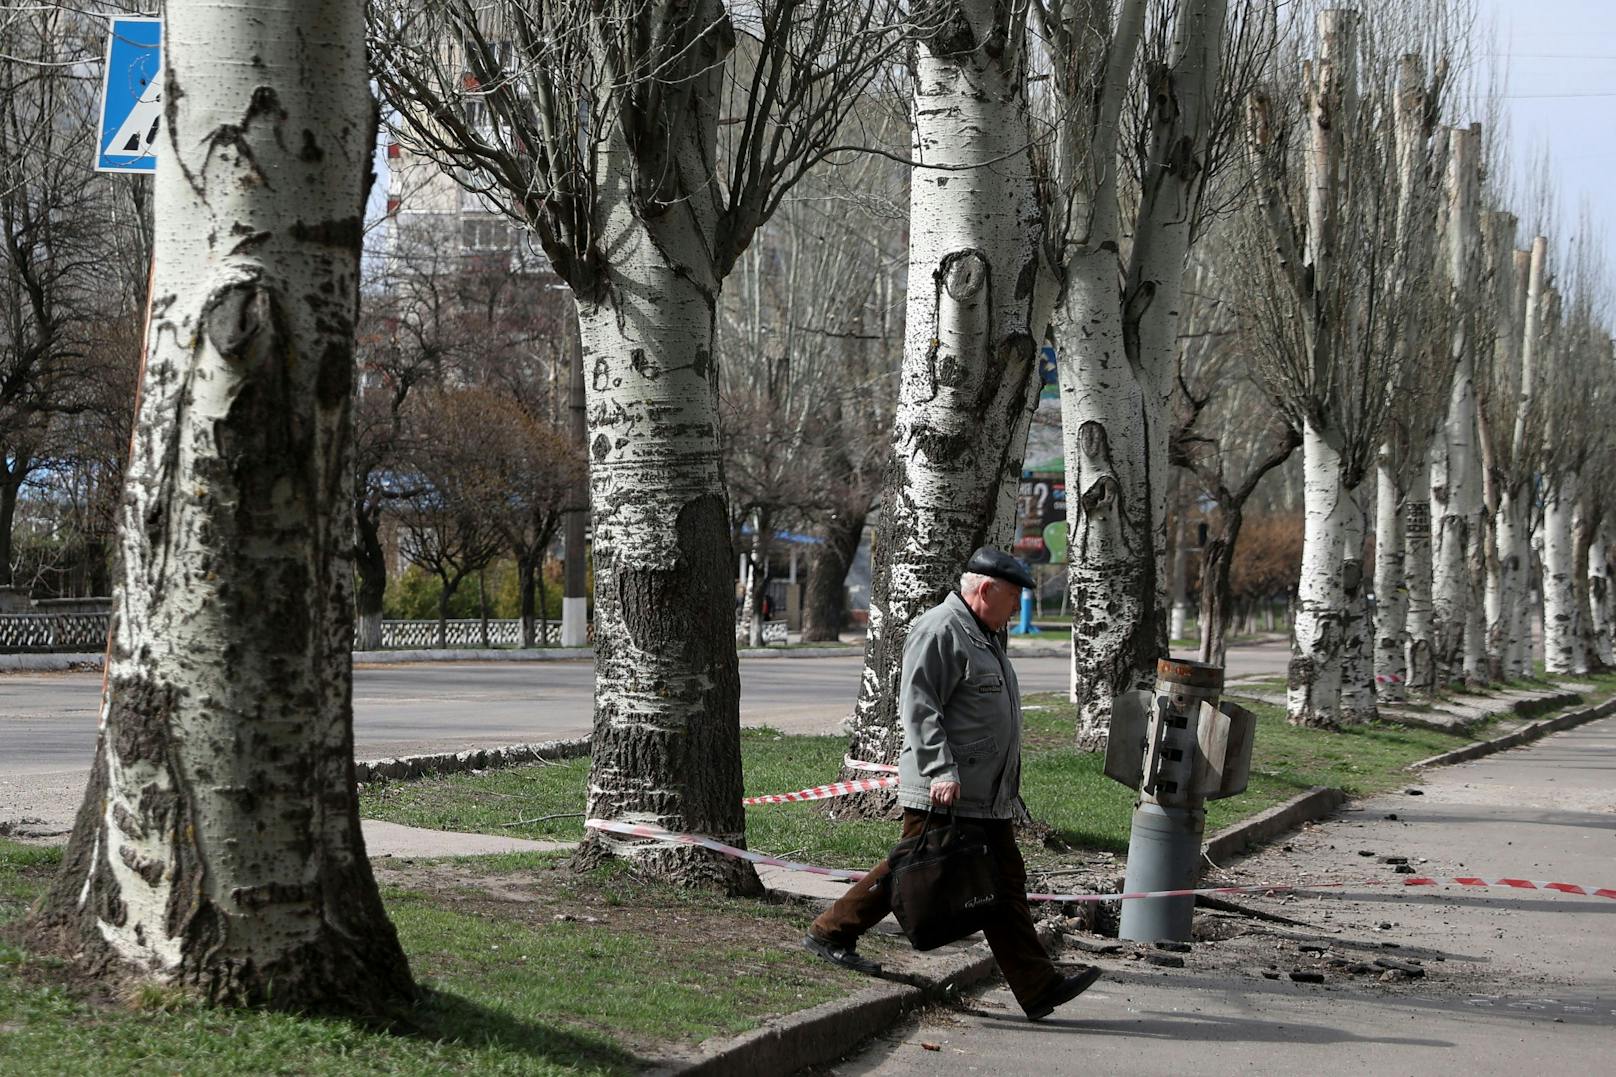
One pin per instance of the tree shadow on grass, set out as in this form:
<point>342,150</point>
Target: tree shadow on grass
<point>445,1017</point>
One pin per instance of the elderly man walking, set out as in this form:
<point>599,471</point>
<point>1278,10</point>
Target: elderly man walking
<point>961,714</point>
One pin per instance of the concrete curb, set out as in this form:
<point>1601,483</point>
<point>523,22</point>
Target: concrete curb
<point>510,755</point>
<point>1521,736</point>
<point>801,652</point>
<point>828,1031</point>
<point>1523,707</point>
<point>472,654</point>
<point>44,663</point>
<point>1316,803</point>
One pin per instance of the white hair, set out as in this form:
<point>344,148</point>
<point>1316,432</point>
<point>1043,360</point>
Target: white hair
<point>972,582</point>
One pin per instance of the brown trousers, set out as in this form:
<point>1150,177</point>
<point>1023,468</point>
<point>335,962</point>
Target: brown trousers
<point>1014,940</point>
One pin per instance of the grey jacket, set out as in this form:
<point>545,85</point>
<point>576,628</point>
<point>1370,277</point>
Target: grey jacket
<point>961,714</point>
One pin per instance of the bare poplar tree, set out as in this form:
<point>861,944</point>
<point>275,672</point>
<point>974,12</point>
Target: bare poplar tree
<point>1402,650</point>
<point>1456,488</point>
<point>1167,77</point>
<point>219,847</point>
<point>1576,387</point>
<point>1221,438</point>
<point>1334,290</point>
<point>1505,391</point>
<point>977,305</point>
<point>598,126</point>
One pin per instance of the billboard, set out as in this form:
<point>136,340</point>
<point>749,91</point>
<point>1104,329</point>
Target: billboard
<point>1041,518</point>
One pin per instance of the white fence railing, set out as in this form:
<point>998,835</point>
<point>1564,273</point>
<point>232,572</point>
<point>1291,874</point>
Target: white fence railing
<point>773,632</point>
<point>41,633</point>
<point>423,635</point>
<point>25,633</point>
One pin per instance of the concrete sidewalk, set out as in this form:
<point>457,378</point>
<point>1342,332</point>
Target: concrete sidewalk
<point>1504,981</point>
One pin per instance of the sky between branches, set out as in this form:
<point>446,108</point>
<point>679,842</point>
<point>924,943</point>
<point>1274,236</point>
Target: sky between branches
<point>1554,61</point>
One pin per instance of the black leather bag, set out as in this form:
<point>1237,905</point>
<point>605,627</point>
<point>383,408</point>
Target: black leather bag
<point>944,882</point>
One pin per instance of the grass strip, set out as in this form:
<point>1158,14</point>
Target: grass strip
<point>1064,788</point>
<point>527,968</point>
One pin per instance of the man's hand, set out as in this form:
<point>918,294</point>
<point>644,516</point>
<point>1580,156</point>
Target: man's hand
<point>943,794</point>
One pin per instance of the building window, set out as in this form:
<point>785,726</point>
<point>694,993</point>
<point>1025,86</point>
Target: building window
<point>485,234</point>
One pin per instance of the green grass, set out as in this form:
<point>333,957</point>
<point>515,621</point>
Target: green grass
<point>508,989</point>
<point>1064,788</point>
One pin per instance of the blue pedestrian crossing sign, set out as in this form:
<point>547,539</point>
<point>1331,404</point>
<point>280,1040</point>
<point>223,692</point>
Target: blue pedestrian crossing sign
<point>131,97</point>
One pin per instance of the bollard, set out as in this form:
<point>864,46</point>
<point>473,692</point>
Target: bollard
<point>1180,748</point>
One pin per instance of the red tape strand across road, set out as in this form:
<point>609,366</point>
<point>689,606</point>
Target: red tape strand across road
<point>656,833</point>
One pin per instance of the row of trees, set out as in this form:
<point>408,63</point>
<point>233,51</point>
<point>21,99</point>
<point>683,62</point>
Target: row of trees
<point>1144,183</point>
<point>1438,375</point>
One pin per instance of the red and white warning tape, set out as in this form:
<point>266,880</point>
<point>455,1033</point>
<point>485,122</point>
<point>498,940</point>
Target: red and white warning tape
<point>835,789</point>
<point>858,764</point>
<point>824,792</point>
<point>656,833</point>
<point>1283,888</point>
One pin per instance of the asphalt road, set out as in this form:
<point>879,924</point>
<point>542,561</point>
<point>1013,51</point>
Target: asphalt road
<point>48,720</point>
<point>1517,982</point>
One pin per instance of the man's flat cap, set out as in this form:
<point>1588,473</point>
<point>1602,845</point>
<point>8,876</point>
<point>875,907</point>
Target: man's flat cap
<point>989,561</point>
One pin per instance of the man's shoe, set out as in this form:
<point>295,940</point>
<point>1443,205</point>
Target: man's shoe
<point>1069,988</point>
<point>844,956</point>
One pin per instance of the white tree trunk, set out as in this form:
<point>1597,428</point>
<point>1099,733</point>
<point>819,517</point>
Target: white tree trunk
<point>1357,651</point>
<point>1584,522</point>
<point>666,744</point>
<point>1562,643</point>
<point>755,582</point>
<point>1510,630</point>
<point>1114,391</point>
<point>746,615</point>
<point>1599,596</point>
<point>1314,695</point>
<point>1391,589</point>
<point>1455,498</point>
<point>1492,599</point>
<point>1111,566</point>
<point>1179,618</point>
<point>1475,634</point>
<point>978,303</point>
<point>1421,647</point>
<point>1456,480</point>
<point>219,845</point>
